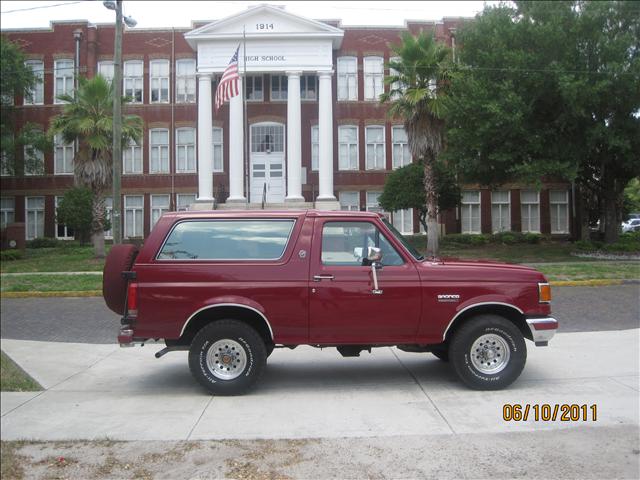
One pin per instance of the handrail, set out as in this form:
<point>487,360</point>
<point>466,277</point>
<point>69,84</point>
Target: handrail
<point>264,194</point>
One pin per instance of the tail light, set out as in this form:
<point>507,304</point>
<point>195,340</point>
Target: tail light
<point>132,299</point>
<point>544,293</point>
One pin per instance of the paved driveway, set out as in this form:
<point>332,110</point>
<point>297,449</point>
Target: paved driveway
<point>88,320</point>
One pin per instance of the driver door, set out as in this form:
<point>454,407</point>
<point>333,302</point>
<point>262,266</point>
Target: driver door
<point>343,306</point>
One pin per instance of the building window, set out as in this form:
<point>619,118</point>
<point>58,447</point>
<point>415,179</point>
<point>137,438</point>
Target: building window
<point>347,78</point>
<point>347,147</point>
<point>159,81</point>
<point>108,215</point>
<point>372,202</point>
<point>403,221</point>
<point>132,158</point>
<point>279,85</point>
<point>133,80</point>
<point>62,231</point>
<point>559,204</point>
<point>159,206</point>
<point>530,210</point>
<point>315,148</point>
<point>7,211</point>
<point>375,152</point>
<point>6,168</point>
<point>35,95</point>
<point>159,145</point>
<point>218,165</point>
<point>255,89</point>
<point>106,69</point>
<point>62,156</point>
<point>63,72</point>
<point>401,153</point>
<point>33,161</point>
<point>133,216</point>
<point>35,217</point>
<point>470,212</point>
<point>501,211</point>
<point>184,200</point>
<point>185,150</point>
<point>349,201</point>
<point>267,138</point>
<point>373,78</point>
<point>186,81</point>
<point>308,87</point>
<point>394,72</point>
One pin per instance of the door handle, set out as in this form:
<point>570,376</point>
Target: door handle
<point>318,278</point>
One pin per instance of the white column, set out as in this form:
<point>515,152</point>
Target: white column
<point>294,149</point>
<point>205,139</point>
<point>236,148</point>
<point>325,138</point>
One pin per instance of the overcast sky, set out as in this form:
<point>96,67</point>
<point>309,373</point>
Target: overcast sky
<point>180,13</point>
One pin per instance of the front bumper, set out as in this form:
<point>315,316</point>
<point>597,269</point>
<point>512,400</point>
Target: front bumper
<point>542,330</point>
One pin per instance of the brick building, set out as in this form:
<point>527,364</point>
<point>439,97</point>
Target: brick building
<point>317,135</point>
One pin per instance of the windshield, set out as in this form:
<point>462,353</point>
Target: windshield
<point>412,250</point>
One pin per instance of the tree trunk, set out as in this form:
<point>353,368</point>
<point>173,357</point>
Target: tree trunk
<point>581,206</point>
<point>432,208</point>
<point>611,225</point>
<point>97,227</point>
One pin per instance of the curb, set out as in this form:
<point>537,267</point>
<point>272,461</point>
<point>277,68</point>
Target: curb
<point>85,293</point>
<point>592,283</point>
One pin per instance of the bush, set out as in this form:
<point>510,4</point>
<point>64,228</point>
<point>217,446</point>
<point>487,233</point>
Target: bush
<point>532,238</point>
<point>465,239</point>
<point>76,212</point>
<point>507,238</point>
<point>43,242</point>
<point>8,255</point>
<point>627,243</point>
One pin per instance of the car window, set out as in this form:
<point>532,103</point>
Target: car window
<point>346,244</point>
<point>227,240</point>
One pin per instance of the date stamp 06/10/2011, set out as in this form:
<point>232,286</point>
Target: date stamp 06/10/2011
<point>545,412</point>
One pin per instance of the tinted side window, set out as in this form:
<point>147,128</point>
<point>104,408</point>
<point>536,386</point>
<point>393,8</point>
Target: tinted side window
<point>227,240</point>
<point>346,243</point>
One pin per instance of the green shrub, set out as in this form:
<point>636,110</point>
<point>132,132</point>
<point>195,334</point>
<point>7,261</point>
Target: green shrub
<point>43,242</point>
<point>584,246</point>
<point>532,238</point>
<point>466,239</point>
<point>8,255</point>
<point>507,238</point>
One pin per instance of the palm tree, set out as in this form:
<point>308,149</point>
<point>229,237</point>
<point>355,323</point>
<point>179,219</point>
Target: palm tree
<point>418,79</point>
<point>88,118</point>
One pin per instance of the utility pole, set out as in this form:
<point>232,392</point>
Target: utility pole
<point>116,216</point>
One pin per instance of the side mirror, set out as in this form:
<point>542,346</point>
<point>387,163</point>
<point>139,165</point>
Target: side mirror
<point>374,254</point>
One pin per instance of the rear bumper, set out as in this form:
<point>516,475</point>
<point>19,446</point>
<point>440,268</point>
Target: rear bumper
<point>542,330</point>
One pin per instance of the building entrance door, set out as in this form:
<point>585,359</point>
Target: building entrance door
<point>267,172</point>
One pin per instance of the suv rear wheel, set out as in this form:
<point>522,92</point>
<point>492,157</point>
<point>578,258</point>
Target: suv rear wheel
<point>488,352</point>
<point>227,357</point>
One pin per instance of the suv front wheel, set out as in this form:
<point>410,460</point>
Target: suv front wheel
<point>488,352</point>
<point>227,357</point>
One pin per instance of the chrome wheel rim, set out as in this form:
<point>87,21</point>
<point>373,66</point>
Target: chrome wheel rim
<point>226,359</point>
<point>490,353</point>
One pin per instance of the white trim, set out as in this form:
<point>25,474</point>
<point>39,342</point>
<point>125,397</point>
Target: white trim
<point>444,335</point>
<point>216,305</point>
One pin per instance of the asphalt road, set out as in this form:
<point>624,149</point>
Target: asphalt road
<point>88,320</point>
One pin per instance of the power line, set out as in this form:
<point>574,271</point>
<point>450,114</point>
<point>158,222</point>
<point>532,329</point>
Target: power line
<point>38,8</point>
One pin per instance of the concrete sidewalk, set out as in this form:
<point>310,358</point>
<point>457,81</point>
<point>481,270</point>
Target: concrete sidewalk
<point>102,391</point>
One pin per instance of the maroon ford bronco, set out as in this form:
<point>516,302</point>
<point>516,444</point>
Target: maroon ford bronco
<point>230,286</point>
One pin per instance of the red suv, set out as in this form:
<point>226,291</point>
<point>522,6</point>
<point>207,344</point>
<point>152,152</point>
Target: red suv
<point>230,286</point>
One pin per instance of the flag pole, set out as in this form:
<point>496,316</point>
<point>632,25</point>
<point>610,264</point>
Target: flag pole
<point>245,137</point>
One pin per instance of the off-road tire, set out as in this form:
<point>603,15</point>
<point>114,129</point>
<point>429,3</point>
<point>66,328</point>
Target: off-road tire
<point>114,287</point>
<point>238,333</point>
<point>487,327</point>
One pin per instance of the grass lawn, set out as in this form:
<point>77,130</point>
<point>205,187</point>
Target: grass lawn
<point>67,258</point>
<point>51,283</point>
<point>591,271</point>
<point>520,253</point>
<point>13,378</point>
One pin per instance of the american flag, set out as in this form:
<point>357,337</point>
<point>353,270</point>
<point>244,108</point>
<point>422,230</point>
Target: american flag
<point>228,86</point>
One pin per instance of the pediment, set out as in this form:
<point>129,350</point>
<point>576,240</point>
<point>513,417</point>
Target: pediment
<point>264,21</point>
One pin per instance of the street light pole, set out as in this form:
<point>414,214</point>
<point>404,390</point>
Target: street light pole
<point>116,217</point>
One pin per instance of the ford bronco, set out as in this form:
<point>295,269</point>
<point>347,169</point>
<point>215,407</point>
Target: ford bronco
<point>230,286</point>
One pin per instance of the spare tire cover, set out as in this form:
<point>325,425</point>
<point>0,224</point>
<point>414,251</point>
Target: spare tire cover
<point>114,287</point>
